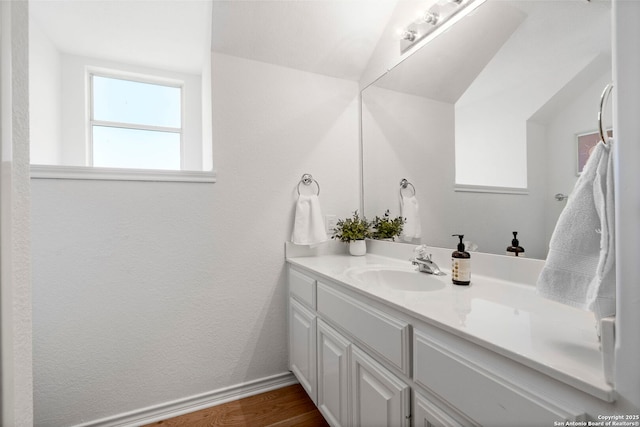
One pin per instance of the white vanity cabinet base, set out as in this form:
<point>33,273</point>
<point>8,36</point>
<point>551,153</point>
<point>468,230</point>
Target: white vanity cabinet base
<point>333,375</point>
<point>487,398</point>
<point>378,397</point>
<point>302,346</point>
<point>364,362</point>
<point>386,335</point>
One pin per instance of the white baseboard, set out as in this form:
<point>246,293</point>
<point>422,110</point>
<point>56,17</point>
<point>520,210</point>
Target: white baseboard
<point>194,403</point>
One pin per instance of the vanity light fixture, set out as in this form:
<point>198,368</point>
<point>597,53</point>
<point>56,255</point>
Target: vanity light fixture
<point>433,19</point>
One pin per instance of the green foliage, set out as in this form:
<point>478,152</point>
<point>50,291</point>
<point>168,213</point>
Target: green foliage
<point>354,228</point>
<point>387,227</point>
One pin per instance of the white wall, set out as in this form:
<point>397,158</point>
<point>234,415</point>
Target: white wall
<point>207,128</point>
<point>45,98</point>
<point>149,292</point>
<point>16,393</point>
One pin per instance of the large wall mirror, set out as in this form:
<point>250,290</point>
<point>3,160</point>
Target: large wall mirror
<point>120,84</point>
<point>483,122</point>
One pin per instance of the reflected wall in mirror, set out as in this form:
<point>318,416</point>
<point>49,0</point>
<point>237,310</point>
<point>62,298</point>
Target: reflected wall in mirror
<point>482,121</point>
<point>156,57</point>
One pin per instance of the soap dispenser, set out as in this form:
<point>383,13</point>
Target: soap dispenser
<point>515,249</point>
<point>460,264</point>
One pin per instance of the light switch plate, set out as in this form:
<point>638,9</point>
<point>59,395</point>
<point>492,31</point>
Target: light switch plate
<point>330,223</point>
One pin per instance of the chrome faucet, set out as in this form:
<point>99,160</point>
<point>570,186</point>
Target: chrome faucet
<point>424,262</point>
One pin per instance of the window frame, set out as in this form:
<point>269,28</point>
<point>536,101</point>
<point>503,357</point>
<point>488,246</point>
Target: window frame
<point>91,173</point>
<point>137,78</point>
<point>81,66</point>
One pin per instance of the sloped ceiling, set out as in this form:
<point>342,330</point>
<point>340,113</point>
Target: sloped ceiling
<point>537,35</point>
<point>341,38</point>
<point>331,37</point>
<point>165,34</point>
<point>444,68</point>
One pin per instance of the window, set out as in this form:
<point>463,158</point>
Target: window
<point>135,124</point>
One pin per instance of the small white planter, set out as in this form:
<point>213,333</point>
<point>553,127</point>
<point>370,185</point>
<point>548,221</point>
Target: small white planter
<point>357,247</point>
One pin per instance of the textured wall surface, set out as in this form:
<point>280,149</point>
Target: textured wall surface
<point>17,394</point>
<point>149,292</point>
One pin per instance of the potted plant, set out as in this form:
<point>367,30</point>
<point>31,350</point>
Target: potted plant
<point>353,231</point>
<point>386,227</point>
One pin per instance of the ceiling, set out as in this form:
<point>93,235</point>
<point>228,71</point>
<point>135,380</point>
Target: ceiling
<point>330,37</point>
<point>340,38</point>
<point>529,34</point>
<point>443,69</point>
<point>166,34</point>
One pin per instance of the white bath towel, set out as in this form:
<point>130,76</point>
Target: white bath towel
<point>580,267</point>
<point>308,226</point>
<point>410,211</point>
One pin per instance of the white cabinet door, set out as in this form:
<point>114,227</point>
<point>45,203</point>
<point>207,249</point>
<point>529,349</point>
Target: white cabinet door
<point>426,414</point>
<point>379,398</point>
<point>333,375</point>
<point>302,346</point>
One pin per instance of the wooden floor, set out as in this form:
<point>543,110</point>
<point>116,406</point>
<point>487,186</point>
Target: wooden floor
<point>287,406</point>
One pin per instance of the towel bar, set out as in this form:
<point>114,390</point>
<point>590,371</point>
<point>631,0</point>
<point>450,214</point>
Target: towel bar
<point>307,179</point>
<point>603,101</point>
<point>404,184</point>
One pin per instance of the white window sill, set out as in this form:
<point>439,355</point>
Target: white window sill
<point>465,188</point>
<point>114,174</point>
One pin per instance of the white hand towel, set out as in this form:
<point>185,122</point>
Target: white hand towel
<point>410,211</point>
<point>580,267</point>
<point>308,227</point>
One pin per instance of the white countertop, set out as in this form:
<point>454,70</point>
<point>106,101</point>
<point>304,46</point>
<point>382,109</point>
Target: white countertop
<point>507,318</point>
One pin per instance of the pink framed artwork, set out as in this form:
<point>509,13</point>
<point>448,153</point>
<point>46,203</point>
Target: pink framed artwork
<point>585,143</point>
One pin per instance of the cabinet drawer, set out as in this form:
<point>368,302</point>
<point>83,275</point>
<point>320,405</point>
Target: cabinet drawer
<point>387,336</point>
<point>303,288</point>
<point>485,397</point>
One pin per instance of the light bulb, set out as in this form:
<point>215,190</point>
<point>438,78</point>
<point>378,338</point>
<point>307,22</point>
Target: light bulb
<point>409,35</point>
<point>431,18</point>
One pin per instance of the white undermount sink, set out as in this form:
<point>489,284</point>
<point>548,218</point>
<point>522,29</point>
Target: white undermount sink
<point>400,279</point>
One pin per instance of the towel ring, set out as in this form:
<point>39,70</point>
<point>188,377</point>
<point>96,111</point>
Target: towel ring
<point>603,101</point>
<point>404,184</point>
<point>307,179</point>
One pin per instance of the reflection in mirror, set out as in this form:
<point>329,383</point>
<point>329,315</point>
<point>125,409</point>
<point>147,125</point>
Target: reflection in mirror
<point>482,121</point>
<point>120,84</point>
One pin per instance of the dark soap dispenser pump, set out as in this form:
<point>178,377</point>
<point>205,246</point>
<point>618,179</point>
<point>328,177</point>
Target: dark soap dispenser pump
<point>515,249</point>
<point>460,264</point>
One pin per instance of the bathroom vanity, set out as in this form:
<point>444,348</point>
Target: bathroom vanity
<point>374,342</point>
